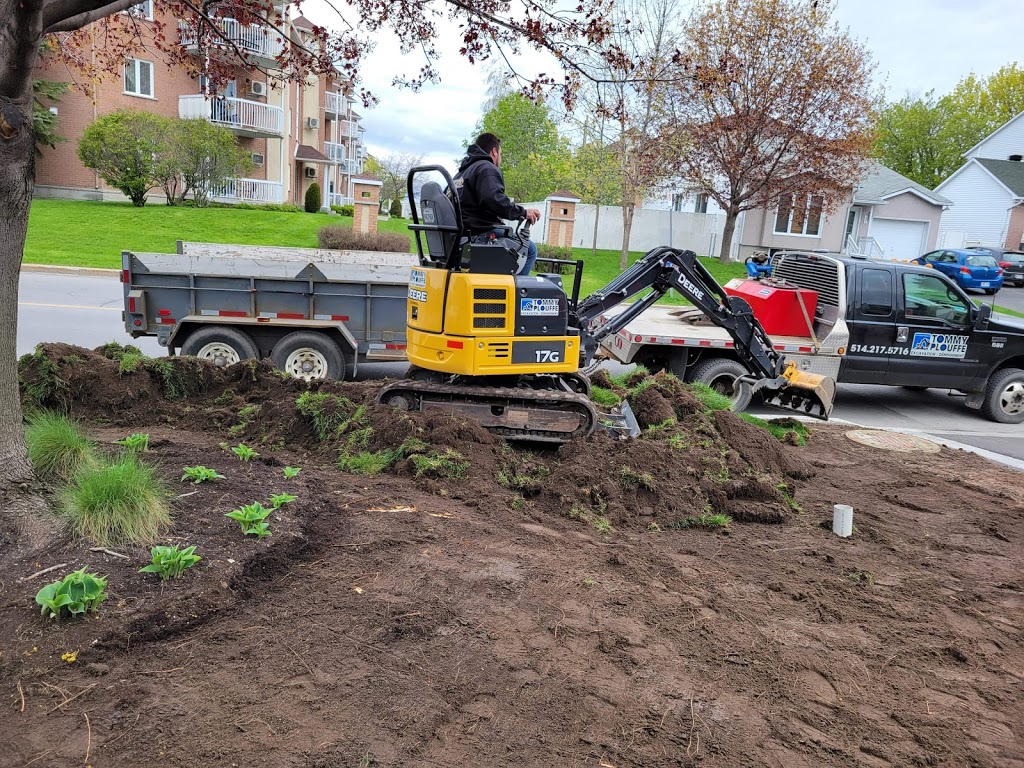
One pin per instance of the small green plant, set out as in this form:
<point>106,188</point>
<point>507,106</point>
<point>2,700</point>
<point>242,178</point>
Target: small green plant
<point>679,443</point>
<point>171,562</point>
<point>75,594</point>
<point>200,474</point>
<point>118,502</point>
<point>602,524</point>
<point>653,528</point>
<point>280,499</point>
<point>588,582</point>
<point>244,452</point>
<point>290,472</point>
<point>56,446</point>
<point>630,478</point>
<point>518,503</point>
<point>783,489</point>
<point>701,521</point>
<point>137,443</point>
<point>252,518</point>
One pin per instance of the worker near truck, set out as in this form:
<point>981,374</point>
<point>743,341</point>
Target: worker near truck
<point>480,186</point>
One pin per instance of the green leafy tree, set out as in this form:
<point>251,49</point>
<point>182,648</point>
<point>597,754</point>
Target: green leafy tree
<point>207,156</point>
<point>121,147</point>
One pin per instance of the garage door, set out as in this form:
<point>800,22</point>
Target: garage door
<point>900,239</point>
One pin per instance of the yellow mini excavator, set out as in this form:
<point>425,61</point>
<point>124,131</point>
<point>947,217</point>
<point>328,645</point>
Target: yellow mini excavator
<point>508,350</point>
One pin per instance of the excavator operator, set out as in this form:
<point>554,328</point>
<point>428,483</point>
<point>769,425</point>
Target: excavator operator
<point>481,190</point>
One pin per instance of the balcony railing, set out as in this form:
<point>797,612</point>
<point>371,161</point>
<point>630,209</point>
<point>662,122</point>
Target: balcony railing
<point>350,166</point>
<point>334,198</point>
<point>254,39</point>
<point>247,118</point>
<point>336,153</point>
<point>250,191</point>
<point>335,104</point>
<point>348,128</point>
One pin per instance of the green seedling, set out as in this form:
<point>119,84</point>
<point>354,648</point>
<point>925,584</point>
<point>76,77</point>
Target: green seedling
<point>75,594</point>
<point>137,443</point>
<point>171,562</point>
<point>252,518</point>
<point>290,472</point>
<point>200,474</point>
<point>244,452</point>
<point>280,499</point>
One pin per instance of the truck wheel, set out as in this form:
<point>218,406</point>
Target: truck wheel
<point>220,346</point>
<point>309,355</point>
<point>721,374</point>
<point>1004,396</point>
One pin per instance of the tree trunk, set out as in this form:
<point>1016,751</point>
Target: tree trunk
<point>731,215</point>
<point>21,503</point>
<point>627,227</point>
<point>597,218</point>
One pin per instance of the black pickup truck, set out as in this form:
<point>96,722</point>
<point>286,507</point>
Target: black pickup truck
<point>876,322</point>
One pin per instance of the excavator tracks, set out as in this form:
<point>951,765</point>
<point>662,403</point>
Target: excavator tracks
<point>513,413</point>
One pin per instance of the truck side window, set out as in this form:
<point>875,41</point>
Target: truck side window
<point>876,292</point>
<point>931,297</point>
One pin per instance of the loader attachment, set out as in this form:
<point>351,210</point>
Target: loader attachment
<point>799,391</point>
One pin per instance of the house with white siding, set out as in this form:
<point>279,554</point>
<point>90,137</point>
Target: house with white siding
<point>988,192</point>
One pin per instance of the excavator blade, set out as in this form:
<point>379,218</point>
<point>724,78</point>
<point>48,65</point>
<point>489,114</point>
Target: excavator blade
<point>805,393</point>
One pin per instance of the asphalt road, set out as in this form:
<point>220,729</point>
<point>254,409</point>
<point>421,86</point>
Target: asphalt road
<point>86,310</point>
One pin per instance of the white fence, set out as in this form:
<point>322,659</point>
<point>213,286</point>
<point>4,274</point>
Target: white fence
<point>700,232</point>
<point>250,191</point>
<point>333,198</point>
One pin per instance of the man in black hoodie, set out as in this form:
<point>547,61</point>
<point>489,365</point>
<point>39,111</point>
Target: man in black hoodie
<point>481,190</point>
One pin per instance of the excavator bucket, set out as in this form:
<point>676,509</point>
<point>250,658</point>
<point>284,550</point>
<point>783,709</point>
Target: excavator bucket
<point>806,393</point>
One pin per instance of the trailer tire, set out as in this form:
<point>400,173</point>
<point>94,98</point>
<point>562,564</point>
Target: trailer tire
<point>220,346</point>
<point>309,355</point>
<point>1004,396</point>
<point>721,374</point>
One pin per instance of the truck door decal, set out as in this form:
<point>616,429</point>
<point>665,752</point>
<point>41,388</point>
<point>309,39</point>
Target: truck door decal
<point>939,345</point>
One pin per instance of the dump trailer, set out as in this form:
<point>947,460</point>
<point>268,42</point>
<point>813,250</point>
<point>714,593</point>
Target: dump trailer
<point>315,313</point>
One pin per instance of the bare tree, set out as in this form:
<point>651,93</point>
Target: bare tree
<point>393,169</point>
<point>778,108</point>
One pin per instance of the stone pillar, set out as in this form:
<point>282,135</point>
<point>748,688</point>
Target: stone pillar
<point>561,218</point>
<point>366,201</point>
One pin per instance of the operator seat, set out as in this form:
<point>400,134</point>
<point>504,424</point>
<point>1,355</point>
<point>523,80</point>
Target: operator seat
<point>437,209</point>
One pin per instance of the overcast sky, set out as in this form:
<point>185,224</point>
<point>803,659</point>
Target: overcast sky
<point>918,44</point>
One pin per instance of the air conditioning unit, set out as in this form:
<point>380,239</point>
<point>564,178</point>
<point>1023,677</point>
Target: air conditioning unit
<point>309,172</point>
<point>257,158</point>
<point>257,88</point>
<point>313,123</point>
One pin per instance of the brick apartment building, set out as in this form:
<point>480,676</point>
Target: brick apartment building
<point>294,133</point>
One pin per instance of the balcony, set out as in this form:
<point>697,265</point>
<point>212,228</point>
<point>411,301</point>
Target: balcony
<point>350,166</point>
<point>246,118</point>
<point>250,191</point>
<point>334,198</point>
<point>335,152</point>
<point>348,128</point>
<point>260,43</point>
<point>334,106</point>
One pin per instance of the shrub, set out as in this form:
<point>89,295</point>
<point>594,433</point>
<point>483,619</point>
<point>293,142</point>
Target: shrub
<point>56,447</point>
<point>395,211</point>
<point>313,198</point>
<point>76,594</point>
<point>116,503</point>
<point>124,148</point>
<point>344,210</point>
<point>342,238</point>
<point>545,251</point>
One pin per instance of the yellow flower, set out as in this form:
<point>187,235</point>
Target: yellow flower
<point>69,656</point>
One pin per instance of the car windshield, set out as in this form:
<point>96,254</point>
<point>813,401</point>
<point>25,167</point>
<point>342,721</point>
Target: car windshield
<point>981,261</point>
<point>1014,258</point>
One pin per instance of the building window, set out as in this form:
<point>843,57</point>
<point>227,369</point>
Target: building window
<point>701,206</point>
<point>799,215</point>
<point>138,78</point>
<point>143,10</point>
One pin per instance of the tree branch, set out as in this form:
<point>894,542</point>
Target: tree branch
<point>69,15</point>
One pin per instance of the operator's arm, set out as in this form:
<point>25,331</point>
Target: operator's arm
<point>491,194</point>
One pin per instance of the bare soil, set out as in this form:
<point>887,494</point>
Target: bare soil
<point>547,608</point>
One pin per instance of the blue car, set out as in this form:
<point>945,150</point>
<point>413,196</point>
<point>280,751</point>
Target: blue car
<point>970,269</point>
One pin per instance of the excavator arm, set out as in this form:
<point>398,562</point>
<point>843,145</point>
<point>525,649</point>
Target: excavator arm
<point>662,269</point>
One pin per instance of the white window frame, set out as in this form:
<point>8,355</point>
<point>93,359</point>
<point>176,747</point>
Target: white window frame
<point>138,78</point>
<point>143,10</point>
<point>807,201</point>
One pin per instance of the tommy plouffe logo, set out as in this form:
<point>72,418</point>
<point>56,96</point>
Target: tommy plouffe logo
<point>938,345</point>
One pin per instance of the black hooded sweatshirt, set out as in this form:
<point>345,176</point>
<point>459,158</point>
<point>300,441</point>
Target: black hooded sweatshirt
<point>481,190</point>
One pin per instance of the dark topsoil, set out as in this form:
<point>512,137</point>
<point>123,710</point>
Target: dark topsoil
<point>405,619</point>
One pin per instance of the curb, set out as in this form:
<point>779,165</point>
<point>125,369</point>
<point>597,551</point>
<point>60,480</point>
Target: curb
<point>63,270</point>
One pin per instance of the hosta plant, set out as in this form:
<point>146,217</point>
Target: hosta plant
<point>252,518</point>
<point>280,499</point>
<point>290,472</point>
<point>171,562</point>
<point>244,452</point>
<point>75,594</point>
<point>200,474</point>
<point>138,442</point>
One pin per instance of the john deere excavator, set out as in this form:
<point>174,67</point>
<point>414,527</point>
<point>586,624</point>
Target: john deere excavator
<point>508,350</point>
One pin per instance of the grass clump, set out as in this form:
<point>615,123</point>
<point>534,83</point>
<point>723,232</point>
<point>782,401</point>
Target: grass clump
<point>449,464</point>
<point>605,397</point>
<point>707,521</point>
<point>40,382</point>
<point>375,462</point>
<point>710,399</point>
<point>784,430</point>
<point>121,502</point>
<point>630,478</point>
<point>56,446</point>
<point>330,415</point>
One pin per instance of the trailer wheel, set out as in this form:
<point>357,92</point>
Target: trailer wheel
<point>721,375</point>
<point>1004,397</point>
<point>220,346</point>
<point>309,355</point>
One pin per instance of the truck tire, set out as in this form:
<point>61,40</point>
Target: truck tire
<point>220,346</point>
<point>721,374</point>
<point>309,355</point>
<point>1004,397</point>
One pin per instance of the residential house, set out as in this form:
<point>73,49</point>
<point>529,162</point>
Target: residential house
<point>988,192</point>
<point>295,134</point>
